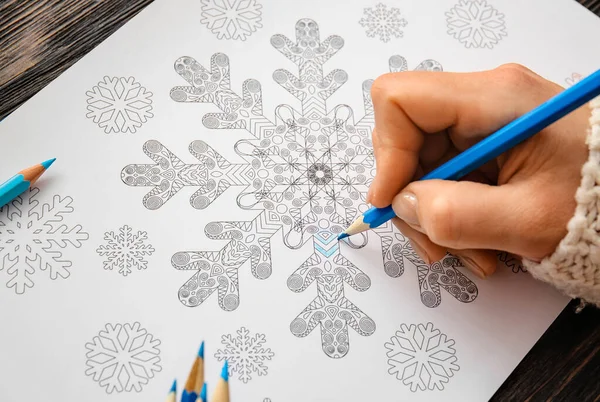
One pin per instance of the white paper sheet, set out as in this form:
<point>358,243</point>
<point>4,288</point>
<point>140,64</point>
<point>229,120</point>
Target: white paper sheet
<point>92,313</point>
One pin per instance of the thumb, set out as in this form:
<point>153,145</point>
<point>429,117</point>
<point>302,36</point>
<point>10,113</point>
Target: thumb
<point>467,215</point>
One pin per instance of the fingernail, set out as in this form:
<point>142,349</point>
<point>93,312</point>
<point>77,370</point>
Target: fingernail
<point>472,265</point>
<point>420,251</point>
<point>405,207</point>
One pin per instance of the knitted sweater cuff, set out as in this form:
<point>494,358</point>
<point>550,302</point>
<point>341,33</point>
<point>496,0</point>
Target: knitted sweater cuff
<point>574,267</point>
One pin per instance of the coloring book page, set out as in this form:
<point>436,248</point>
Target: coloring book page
<point>208,155</point>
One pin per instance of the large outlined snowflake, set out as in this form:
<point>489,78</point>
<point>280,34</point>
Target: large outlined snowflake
<point>123,357</point>
<point>231,19</point>
<point>476,24</point>
<point>245,354</point>
<point>307,173</point>
<point>125,250</point>
<point>33,236</point>
<point>421,357</point>
<point>119,104</point>
<point>383,22</point>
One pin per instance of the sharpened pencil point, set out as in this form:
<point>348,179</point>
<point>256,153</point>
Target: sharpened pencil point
<point>203,393</point>
<point>201,351</point>
<point>343,236</point>
<point>225,371</point>
<point>173,387</point>
<point>48,163</point>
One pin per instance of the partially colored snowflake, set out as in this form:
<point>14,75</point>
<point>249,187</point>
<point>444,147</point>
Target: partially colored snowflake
<point>119,104</point>
<point>421,357</point>
<point>125,250</point>
<point>123,357</point>
<point>573,79</point>
<point>231,19</point>
<point>474,23</point>
<point>245,354</point>
<point>381,22</point>
<point>33,237</point>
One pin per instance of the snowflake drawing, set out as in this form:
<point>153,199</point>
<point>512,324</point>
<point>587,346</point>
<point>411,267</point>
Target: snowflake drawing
<point>33,236</point>
<point>421,357</point>
<point>245,354</point>
<point>123,357</point>
<point>383,23</point>
<point>119,105</point>
<point>512,262</point>
<point>476,24</point>
<point>125,250</point>
<point>573,79</point>
<point>306,174</point>
<point>231,19</point>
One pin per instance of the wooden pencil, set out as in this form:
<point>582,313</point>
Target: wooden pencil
<point>222,390</point>
<point>203,393</point>
<point>19,183</point>
<point>172,395</point>
<point>189,391</point>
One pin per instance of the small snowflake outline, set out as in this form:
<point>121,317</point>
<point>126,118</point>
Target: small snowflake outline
<point>408,342</point>
<point>476,24</point>
<point>253,361</point>
<point>136,249</point>
<point>391,27</point>
<point>119,105</point>
<point>114,382</point>
<point>216,16</point>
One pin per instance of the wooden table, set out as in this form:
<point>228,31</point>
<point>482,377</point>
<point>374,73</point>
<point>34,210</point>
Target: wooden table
<point>39,39</point>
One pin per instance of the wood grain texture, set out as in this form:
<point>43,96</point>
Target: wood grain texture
<point>39,39</point>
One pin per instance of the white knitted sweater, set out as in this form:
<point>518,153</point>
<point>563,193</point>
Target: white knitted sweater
<point>574,267</point>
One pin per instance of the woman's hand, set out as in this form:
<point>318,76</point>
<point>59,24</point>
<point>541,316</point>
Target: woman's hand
<point>519,203</point>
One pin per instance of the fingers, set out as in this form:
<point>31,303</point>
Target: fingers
<point>411,105</point>
<point>466,215</point>
<point>481,262</point>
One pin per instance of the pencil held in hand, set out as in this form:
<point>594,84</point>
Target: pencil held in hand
<point>19,183</point>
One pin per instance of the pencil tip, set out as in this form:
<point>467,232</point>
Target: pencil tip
<point>48,163</point>
<point>225,371</point>
<point>203,393</point>
<point>173,387</point>
<point>343,236</point>
<point>201,351</point>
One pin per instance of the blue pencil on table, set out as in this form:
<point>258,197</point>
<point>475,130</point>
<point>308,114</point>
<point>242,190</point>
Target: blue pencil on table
<point>195,380</point>
<point>22,181</point>
<point>493,146</point>
<point>221,393</point>
<point>172,395</point>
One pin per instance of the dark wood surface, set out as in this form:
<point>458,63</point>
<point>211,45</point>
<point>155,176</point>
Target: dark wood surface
<point>39,39</point>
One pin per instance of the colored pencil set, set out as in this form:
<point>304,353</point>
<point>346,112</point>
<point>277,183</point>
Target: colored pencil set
<point>195,389</point>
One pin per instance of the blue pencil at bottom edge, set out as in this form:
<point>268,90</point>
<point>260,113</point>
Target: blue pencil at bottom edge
<point>494,145</point>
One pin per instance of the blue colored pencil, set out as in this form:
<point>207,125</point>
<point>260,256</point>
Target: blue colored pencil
<point>493,146</point>
<point>172,395</point>
<point>221,393</point>
<point>203,393</point>
<point>195,379</point>
<point>22,181</point>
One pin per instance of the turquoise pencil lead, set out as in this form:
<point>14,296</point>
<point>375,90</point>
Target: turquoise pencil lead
<point>201,351</point>
<point>174,387</point>
<point>225,371</point>
<point>48,163</point>
<point>343,236</point>
<point>203,393</point>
